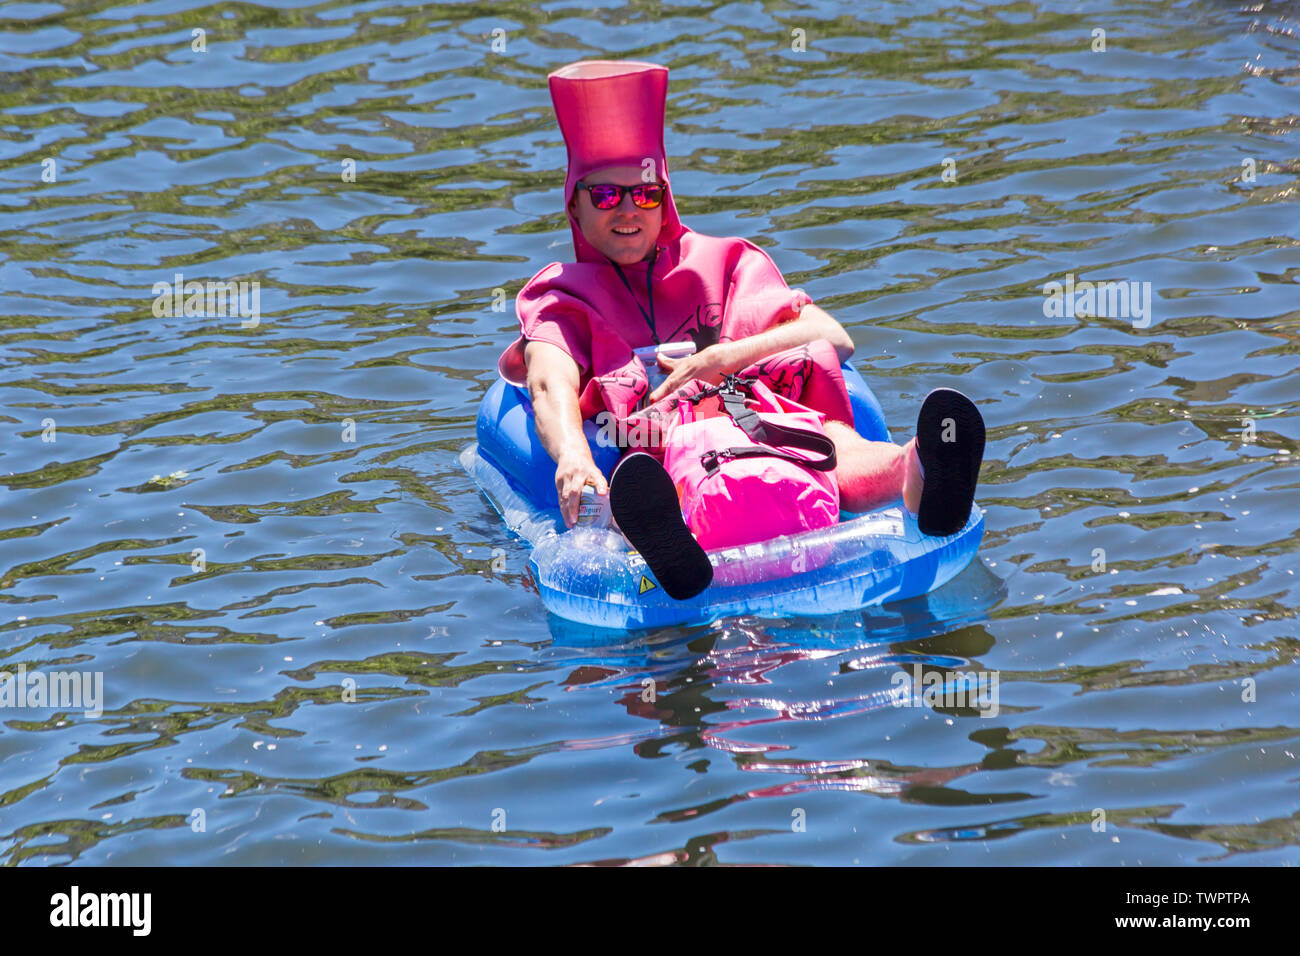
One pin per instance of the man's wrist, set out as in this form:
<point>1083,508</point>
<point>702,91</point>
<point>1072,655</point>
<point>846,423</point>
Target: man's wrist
<point>577,452</point>
<point>732,356</point>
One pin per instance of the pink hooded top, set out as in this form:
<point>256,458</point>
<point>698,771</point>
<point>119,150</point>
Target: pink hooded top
<point>701,288</point>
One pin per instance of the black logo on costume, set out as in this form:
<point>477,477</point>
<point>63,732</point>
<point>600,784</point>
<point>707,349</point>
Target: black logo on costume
<point>627,378</point>
<point>703,326</point>
<point>786,372</point>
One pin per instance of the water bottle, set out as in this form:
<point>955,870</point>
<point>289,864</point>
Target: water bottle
<point>649,357</point>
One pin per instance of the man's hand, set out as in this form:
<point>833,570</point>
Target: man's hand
<point>573,469</point>
<point>708,366</point>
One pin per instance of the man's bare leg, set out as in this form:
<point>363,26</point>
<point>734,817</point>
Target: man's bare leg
<point>872,474</point>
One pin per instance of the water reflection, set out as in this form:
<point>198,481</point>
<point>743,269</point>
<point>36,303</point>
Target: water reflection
<point>687,679</point>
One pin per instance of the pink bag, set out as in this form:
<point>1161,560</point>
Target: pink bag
<point>752,474</point>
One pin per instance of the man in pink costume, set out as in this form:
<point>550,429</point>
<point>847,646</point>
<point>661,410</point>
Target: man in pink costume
<point>642,278</point>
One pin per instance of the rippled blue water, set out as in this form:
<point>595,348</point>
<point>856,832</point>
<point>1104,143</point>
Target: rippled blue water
<point>1136,593</point>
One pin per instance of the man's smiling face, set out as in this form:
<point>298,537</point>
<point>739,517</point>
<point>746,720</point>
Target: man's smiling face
<point>625,233</point>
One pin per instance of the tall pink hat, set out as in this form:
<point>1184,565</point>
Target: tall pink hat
<point>611,113</point>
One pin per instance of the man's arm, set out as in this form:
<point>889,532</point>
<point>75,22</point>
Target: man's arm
<point>553,378</point>
<point>717,360</point>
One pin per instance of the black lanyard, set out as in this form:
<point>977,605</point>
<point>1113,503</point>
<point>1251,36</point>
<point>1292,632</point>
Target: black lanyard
<point>649,293</point>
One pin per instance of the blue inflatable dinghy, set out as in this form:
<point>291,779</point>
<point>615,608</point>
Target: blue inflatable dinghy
<point>590,575</point>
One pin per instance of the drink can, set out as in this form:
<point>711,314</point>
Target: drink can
<point>593,509</point>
